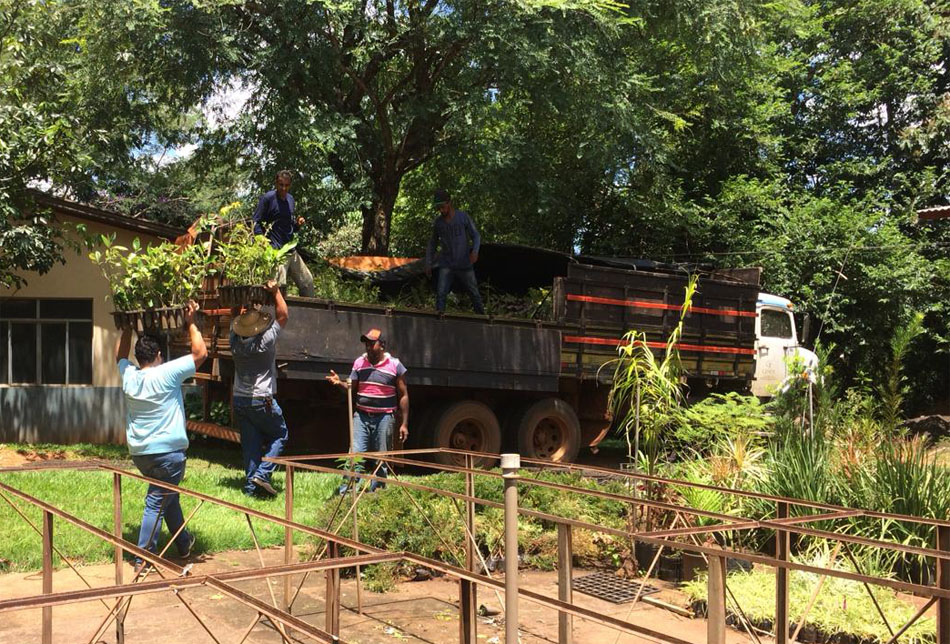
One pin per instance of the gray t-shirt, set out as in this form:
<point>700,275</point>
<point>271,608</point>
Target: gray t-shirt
<point>255,368</point>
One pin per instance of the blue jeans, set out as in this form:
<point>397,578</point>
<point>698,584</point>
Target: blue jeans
<point>372,433</point>
<point>168,468</point>
<point>445,278</point>
<point>263,434</point>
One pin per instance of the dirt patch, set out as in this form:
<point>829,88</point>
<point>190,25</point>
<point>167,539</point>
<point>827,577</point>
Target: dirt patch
<point>10,457</point>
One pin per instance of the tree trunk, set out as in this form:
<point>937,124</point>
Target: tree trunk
<point>377,217</point>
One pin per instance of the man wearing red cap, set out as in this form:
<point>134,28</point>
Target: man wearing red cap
<point>380,388</point>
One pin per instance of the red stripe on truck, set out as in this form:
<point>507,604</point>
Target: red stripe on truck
<point>655,304</point>
<point>704,348</point>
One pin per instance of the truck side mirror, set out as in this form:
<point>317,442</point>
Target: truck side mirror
<point>806,329</point>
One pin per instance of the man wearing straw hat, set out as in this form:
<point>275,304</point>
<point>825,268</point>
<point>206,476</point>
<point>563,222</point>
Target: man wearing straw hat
<point>380,388</point>
<point>155,426</point>
<point>253,343</point>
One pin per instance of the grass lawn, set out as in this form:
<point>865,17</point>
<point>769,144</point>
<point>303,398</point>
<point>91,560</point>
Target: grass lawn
<point>390,519</point>
<point>88,495</point>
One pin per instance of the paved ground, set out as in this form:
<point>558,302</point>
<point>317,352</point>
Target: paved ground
<point>415,612</point>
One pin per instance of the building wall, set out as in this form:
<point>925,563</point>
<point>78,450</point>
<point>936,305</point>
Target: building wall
<point>73,413</point>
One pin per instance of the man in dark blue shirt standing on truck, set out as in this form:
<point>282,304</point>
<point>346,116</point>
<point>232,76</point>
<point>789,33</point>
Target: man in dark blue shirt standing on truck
<point>274,217</point>
<point>455,233</point>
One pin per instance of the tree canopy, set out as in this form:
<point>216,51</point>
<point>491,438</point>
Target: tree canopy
<point>798,135</point>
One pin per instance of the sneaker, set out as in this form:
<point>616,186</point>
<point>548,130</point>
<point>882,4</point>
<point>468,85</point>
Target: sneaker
<point>264,485</point>
<point>191,544</point>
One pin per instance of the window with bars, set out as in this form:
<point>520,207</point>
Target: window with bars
<point>45,341</point>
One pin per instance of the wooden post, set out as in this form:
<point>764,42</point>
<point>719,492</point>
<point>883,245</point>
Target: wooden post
<point>117,553</point>
<point>47,575</point>
<point>716,601</point>
<point>781,578</point>
<point>467,589</point>
<point>288,532</point>
<point>333,591</point>
<point>510,464</point>
<point>565,570</point>
<point>943,582</point>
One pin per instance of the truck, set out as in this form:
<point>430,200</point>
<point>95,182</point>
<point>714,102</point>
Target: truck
<point>538,386</point>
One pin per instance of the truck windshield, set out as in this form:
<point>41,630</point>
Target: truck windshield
<point>776,324</point>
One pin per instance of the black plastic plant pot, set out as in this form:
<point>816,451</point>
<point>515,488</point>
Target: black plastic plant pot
<point>670,568</point>
<point>168,318</point>
<point>236,295</point>
<point>693,564</point>
<point>644,553</point>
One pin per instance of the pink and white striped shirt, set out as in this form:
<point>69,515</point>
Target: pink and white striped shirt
<point>376,384</point>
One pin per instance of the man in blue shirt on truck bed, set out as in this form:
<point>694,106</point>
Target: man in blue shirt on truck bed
<point>455,233</point>
<point>274,217</point>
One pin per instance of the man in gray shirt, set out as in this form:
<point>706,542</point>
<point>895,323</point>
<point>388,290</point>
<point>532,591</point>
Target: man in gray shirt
<point>253,343</point>
<point>451,231</point>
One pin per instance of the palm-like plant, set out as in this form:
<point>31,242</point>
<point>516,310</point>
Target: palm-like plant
<point>648,390</point>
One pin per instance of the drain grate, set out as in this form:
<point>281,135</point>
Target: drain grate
<point>612,588</point>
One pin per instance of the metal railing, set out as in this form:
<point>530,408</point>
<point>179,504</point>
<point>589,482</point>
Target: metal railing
<point>681,534</point>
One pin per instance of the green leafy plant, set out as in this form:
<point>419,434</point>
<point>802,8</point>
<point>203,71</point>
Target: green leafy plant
<point>150,277</point>
<point>247,259</point>
<point>647,391</point>
<point>842,605</point>
<point>720,416</point>
<point>894,387</point>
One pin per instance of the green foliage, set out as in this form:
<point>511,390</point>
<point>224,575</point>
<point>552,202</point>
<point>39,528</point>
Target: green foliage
<point>894,387</point>
<point>248,259</point>
<point>801,466</point>
<point>647,391</point>
<point>156,276</point>
<point>701,498</point>
<point>329,284</point>
<point>713,419</point>
<point>842,606</point>
<point>380,578</point>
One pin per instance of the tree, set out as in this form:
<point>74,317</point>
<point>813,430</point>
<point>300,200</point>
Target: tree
<point>77,96</point>
<point>358,95</point>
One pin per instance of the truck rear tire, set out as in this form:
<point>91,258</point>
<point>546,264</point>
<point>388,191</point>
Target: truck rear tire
<point>548,429</point>
<point>467,425</point>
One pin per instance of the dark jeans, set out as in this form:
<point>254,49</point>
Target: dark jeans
<point>372,433</point>
<point>263,434</point>
<point>466,276</point>
<point>167,468</point>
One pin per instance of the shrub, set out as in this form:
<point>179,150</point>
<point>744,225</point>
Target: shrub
<point>718,417</point>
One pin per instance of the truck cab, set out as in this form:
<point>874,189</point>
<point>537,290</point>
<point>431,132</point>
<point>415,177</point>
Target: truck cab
<point>777,344</point>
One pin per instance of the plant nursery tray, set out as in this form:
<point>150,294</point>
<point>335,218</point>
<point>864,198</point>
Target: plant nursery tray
<point>614,589</point>
<point>232,295</point>
<point>161,319</point>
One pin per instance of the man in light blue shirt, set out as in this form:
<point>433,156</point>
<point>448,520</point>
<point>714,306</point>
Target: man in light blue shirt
<point>155,426</point>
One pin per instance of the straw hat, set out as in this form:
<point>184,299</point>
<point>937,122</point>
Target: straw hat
<point>251,323</point>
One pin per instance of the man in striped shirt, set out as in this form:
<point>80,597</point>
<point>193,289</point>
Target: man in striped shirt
<point>380,389</point>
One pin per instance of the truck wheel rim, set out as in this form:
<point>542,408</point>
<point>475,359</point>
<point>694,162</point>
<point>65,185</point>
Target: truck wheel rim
<point>467,435</point>
<point>548,438</point>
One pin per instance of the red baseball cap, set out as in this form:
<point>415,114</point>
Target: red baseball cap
<point>373,335</point>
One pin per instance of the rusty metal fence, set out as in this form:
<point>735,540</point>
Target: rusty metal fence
<point>682,534</point>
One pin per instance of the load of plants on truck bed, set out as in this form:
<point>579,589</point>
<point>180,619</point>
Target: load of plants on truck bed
<point>332,284</point>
